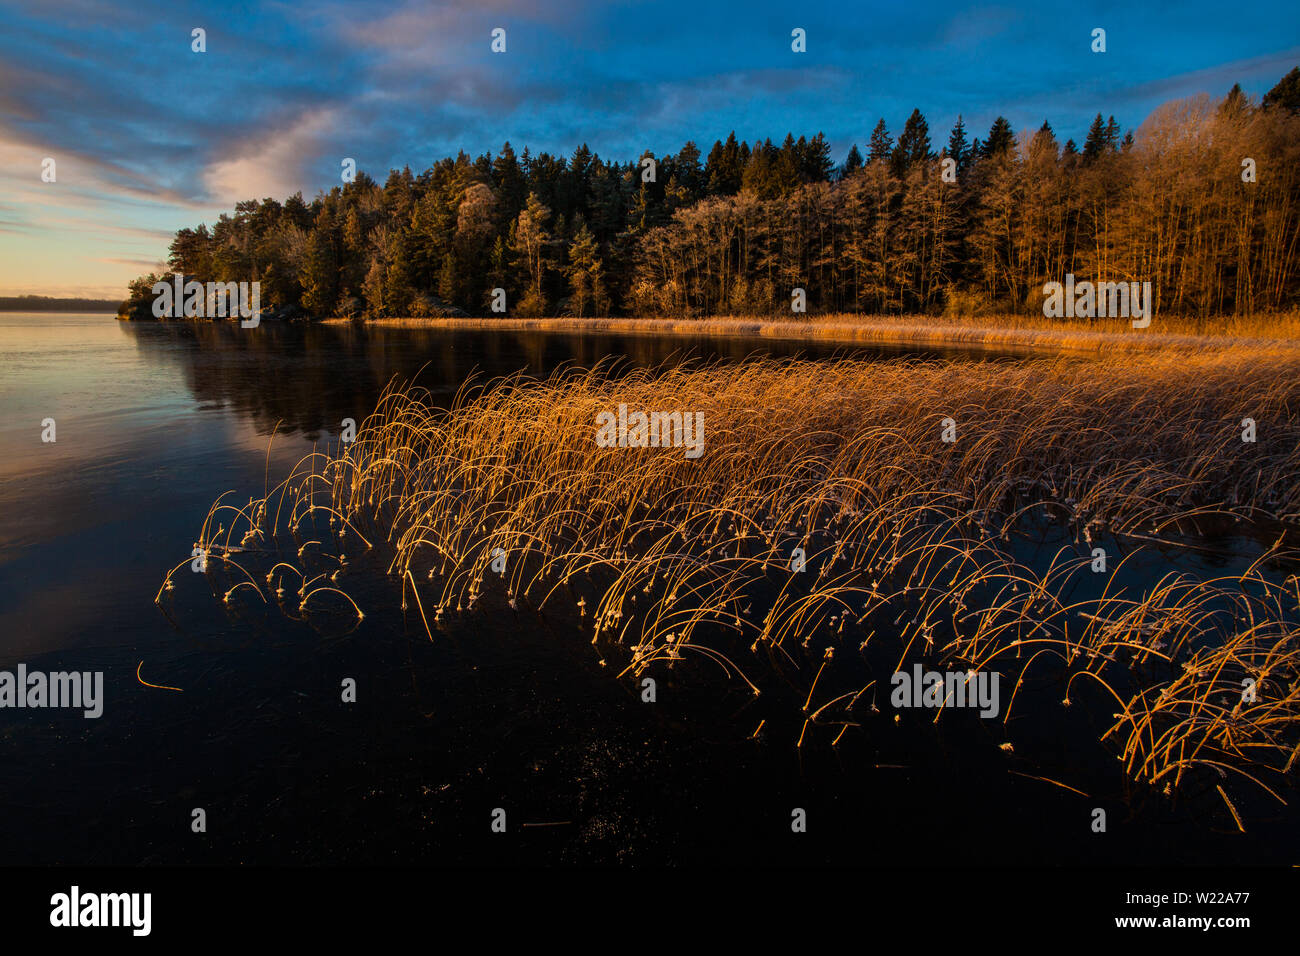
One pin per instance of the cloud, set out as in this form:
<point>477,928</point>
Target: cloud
<point>111,292</point>
<point>1215,80</point>
<point>275,163</point>
<point>142,265</point>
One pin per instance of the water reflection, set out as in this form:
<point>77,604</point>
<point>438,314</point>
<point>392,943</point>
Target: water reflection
<point>309,378</point>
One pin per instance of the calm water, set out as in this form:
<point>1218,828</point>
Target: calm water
<point>155,421</point>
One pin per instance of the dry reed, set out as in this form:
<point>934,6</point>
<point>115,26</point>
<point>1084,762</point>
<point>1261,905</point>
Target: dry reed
<point>1020,333</point>
<point>914,546</point>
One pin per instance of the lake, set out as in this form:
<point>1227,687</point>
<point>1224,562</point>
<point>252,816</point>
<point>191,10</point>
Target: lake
<point>154,421</point>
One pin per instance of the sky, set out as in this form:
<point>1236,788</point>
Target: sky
<point>148,136</point>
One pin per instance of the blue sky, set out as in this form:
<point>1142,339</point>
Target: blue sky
<point>148,136</point>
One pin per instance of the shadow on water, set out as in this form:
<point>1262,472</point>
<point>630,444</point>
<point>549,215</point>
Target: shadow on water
<point>311,377</point>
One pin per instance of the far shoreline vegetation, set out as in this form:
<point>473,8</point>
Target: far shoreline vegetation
<point>1202,201</point>
<point>46,303</point>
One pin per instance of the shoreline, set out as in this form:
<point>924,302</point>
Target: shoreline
<point>859,333</point>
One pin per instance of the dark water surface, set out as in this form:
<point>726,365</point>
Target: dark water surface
<point>154,421</point>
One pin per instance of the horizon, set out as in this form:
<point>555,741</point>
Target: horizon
<point>411,83</point>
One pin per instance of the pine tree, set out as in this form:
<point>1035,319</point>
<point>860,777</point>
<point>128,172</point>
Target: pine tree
<point>433,226</point>
<point>354,251</point>
<point>958,149</point>
<point>1044,142</point>
<point>447,279</point>
<point>852,162</point>
<point>1095,144</point>
<point>1286,95</point>
<point>398,287</point>
<point>881,146</point>
<point>817,165</point>
<point>499,265</point>
<point>913,144</point>
<point>787,172</point>
<point>372,289</point>
<point>586,282</point>
<point>1112,134</point>
<point>1001,139</point>
<point>1235,103</point>
<point>399,196</point>
<point>762,176</point>
<point>688,171</point>
<point>725,168</point>
<point>320,280</point>
<point>529,247</point>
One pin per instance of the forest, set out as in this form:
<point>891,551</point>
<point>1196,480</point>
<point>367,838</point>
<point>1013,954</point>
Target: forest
<point>1201,200</point>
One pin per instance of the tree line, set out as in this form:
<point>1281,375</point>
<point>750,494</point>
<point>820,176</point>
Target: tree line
<point>45,303</point>
<point>1202,200</point>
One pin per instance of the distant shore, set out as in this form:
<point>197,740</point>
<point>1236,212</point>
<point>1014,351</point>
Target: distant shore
<point>44,303</point>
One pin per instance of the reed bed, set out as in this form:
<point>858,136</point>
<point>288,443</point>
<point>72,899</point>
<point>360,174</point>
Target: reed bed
<point>914,549</point>
<point>1022,333</point>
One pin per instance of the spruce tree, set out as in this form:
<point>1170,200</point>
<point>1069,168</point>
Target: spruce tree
<point>958,148</point>
<point>1235,103</point>
<point>881,146</point>
<point>1286,95</point>
<point>852,162</point>
<point>913,144</point>
<point>1001,139</point>
<point>817,160</point>
<point>1112,134</point>
<point>1095,144</point>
